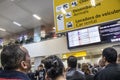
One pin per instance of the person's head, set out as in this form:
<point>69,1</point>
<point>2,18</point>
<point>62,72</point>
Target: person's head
<point>118,59</point>
<point>109,55</point>
<point>40,67</point>
<point>54,67</point>
<point>85,68</point>
<point>101,63</point>
<point>15,57</point>
<point>72,62</point>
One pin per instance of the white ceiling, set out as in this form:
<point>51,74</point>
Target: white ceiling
<point>21,11</point>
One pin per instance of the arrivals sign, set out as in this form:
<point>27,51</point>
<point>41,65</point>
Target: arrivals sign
<point>74,14</point>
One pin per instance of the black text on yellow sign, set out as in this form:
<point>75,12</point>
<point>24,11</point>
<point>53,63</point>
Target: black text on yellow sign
<point>74,14</point>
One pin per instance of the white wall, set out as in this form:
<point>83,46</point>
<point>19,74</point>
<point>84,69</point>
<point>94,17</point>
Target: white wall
<point>59,46</point>
<point>48,47</point>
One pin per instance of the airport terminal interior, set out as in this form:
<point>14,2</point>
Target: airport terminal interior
<point>80,28</point>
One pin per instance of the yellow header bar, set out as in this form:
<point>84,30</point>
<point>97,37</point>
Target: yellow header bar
<point>76,54</point>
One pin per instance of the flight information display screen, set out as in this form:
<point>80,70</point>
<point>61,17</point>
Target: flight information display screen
<point>82,37</point>
<point>110,32</point>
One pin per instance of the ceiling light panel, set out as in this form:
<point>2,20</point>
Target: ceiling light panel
<point>16,23</point>
<point>2,29</point>
<point>36,16</point>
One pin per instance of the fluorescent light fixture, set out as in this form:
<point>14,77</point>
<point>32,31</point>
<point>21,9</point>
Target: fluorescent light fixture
<point>16,23</point>
<point>93,3</point>
<point>2,29</point>
<point>63,11</point>
<point>54,28</point>
<point>36,16</point>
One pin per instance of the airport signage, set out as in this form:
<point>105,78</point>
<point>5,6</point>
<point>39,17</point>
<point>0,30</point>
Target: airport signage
<point>74,14</point>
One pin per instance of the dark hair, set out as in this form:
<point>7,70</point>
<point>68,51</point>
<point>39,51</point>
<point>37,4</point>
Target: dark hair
<point>110,54</point>
<point>79,65</point>
<point>11,56</point>
<point>40,65</point>
<point>85,69</point>
<point>72,61</point>
<point>54,66</point>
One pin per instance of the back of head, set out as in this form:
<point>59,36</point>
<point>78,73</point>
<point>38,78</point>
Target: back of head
<point>53,66</point>
<point>110,54</point>
<point>40,65</point>
<point>72,61</point>
<point>84,66</point>
<point>12,56</point>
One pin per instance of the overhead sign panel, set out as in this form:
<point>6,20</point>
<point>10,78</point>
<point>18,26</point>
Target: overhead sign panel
<point>74,14</point>
<point>76,54</point>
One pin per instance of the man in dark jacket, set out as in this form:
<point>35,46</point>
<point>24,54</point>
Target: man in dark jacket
<point>73,73</point>
<point>16,63</point>
<point>112,70</point>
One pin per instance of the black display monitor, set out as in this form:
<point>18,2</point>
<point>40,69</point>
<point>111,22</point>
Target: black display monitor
<point>81,37</point>
<point>110,32</point>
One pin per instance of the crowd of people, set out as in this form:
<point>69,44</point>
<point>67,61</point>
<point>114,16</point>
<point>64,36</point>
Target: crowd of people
<point>16,65</point>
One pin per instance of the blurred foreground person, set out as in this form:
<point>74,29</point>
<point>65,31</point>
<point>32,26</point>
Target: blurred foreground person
<point>112,70</point>
<point>73,73</point>
<point>54,68</point>
<point>16,63</point>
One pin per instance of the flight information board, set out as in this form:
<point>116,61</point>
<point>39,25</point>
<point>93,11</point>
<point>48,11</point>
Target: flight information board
<point>82,37</point>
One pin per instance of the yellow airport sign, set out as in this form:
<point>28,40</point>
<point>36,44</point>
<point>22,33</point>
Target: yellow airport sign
<point>74,14</point>
<point>76,54</point>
